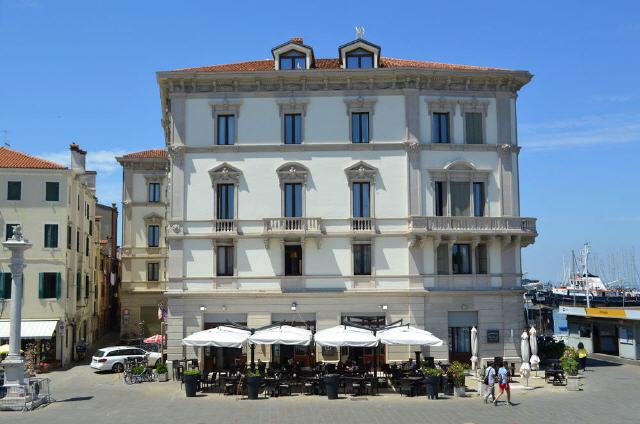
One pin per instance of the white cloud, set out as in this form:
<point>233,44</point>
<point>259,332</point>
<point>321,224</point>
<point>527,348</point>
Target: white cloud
<point>101,161</point>
<point>581,131</point>
<point>613,98</point>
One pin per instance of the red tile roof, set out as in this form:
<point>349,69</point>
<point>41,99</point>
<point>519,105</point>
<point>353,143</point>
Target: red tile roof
<point>153,153</point>
<point>385,62</point>
<point>10,158</point>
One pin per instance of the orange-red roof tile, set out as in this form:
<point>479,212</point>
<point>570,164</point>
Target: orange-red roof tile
<point>385,62</point>
<point>10,158</point>
<point>152,153</point>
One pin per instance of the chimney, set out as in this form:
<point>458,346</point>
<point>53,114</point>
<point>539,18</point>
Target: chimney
<point>78,159</point>
<point>297,40</point>
<point>90,180</point>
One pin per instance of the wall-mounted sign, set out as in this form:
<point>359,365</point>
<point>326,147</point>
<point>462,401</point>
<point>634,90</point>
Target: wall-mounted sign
<point>329,350</point>
<point>493,336</point>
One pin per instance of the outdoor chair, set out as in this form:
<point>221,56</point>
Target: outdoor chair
<point>284,387</point>
<point>177,369</point>
<point>407,388</point>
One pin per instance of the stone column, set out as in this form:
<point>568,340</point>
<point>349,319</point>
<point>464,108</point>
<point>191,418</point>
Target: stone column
<point>14,364</point>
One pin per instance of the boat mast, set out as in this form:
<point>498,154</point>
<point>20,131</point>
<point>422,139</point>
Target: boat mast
<point>586,272</point>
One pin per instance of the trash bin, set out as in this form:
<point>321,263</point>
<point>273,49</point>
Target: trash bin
<point>190,384</point>
<point>331,385</point>
<point>253,386</point>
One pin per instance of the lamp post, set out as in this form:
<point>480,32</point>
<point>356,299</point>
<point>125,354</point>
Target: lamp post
<point>14,364</point>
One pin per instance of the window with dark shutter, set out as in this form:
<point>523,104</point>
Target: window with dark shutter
<point>52,190</point>
<point>51,235</point>
<point>14,190</point>
<point>5,285</point>
<point>473,128</point>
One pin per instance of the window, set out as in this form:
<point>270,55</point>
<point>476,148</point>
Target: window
<point>86,210</point>
<point>360,127</point>
<point>90,228</point>
<point>9,231</point>
<point>78,241</point>
<point>86,246</point>
<point>86,286</point>
<point>69,236</point>
<point>52,191</point>
<point>441,127</point>
<point>293,260</point>
<point>154,192</point>
<point>293,200</point>
<point>481,259</point>
<point>359,59</point>
<point>460,198</point>
<point>473,128</point>
<point>460,259</point>
<point>226,129</point>
<point>361,204</point>
<point>584,331</point>
<point>51,235</point>
<point>292,128</point>
<point>478,199</point>
<point>293,60</point>
<point>224,261</point>
<point>362,259</point>
<point>14,190</point>
<point>153,271</point>
<point>153,235</point>
<point>5,285</point>
<point>49,285</point>
<point>440,198</point>
<point>224,207</point>
<point>78,286</point>
<point>442,258</point>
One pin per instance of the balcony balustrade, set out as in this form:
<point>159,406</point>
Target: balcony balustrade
<point>474,225</point>
<point>363,224</point>
<point>288,225</point>
<point>225,226</point>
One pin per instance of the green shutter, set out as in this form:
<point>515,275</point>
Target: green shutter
<point>41,287</point>
<point>7,285</point>
<point>58,285</point>
<point>2,285</point>
<point>78,286</point>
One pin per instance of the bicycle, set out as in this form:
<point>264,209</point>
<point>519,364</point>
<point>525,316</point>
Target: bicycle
<point>136,371</point>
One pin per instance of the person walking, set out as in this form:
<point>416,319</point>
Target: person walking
<point>503,384</point>
<point>490,381</point>
<point>582,357</point>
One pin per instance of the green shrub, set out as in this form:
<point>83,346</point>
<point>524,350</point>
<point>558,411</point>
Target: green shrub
<point>161,368</point>
<point>431,372</point>
<point>569,361</point>
<point>548,348</point>
<point>191,372</point>
<point>250,373</point>
<point>138,369</point>
<point>456,373</point>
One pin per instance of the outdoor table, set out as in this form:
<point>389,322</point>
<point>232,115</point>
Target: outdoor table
<point>271,385</point>
<point>316,384</point>
<point>416,383</point>
<point>230,384</point>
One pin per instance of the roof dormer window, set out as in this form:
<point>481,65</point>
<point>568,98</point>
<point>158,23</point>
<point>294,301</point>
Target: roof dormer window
<point>359,59</point>
<point>292,60</point>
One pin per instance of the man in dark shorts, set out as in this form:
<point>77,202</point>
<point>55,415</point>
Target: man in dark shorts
<point>503,384</point>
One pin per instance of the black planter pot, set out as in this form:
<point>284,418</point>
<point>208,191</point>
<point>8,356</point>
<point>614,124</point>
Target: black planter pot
<point>331,385</point>
<point>253,386</point>
<point>190,384</point>
<point>447,385</point>
<point>431,385</point>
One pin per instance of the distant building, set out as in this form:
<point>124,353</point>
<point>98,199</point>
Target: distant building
<point>109,270</point>
<point>355,188</point>
<point>144,252</point>
<point>56,207</point>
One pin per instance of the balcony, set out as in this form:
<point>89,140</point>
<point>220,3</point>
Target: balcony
<point>363,224</point>
<point>292,225</point>
<point>471,225</point>
<point>225,227</point>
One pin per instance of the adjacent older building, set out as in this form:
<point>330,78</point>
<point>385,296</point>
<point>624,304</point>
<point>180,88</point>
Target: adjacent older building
<point>56,207</point>
<point>358,187</point>
<point>144,251</point>
<point>109,269</point>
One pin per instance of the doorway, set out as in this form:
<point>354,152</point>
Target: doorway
<point>460,324</point>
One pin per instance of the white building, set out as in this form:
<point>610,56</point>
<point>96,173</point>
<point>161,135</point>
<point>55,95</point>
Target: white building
<point>358,187</point>
<point>55,205</point>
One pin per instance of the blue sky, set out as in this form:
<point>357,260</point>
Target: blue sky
<point>79,71</point>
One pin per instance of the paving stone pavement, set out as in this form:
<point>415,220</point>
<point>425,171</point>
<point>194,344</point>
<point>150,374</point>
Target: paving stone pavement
<point>609,396</point>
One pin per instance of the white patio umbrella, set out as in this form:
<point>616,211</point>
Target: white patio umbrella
<point>282,334</point>
<point>525,369</point>
<point>533,342</point>
<point>407,335</point>
<point>222,336</point>
<point>474,348</point>
<point>345,335</point>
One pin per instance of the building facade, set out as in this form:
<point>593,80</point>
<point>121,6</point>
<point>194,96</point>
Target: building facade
<point>55,205</point>
<point>108,269</point>
<point>144,253</point>
<point>358,188</point>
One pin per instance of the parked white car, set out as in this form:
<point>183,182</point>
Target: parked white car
<point>113,358</point>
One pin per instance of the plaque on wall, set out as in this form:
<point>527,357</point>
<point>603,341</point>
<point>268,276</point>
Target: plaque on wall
<point>329,350</point>
<point>493,336</point>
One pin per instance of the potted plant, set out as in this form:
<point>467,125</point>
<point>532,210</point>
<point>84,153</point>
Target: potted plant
<point>431,381</point>
<point>456,375</point>
<point>331,385</point>
<point>162,373</point>
<point>253,380</point>
<point>190,379</point>
<point>569,363</point>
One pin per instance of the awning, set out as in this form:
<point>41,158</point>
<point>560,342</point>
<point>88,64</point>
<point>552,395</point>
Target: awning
<point>30,329</point>
<point>222,336</point>
<point>407,335</point>
<point>282,334</point>
<point>344,335</point>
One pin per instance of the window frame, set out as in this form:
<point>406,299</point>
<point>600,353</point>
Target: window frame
<point>230,191</point>
<point>294,135</point>
<point>467,140</point>
<point>297,199</point>
<point>469,256</point>
<point>46,191</point>
<point>156,235</point>
<point>437,138</point>
<point>353,198</point>
<point>47,242</point>
<point>475,106</point>
<point>477,249</point>
<point>9,184</point>
<point>293,56</point>
<point>360,105</point>
<point>229,269</point>
<point>366,269</point>
<point>357,125</point>
<point>359,53</point>
<point>229,139</point>
<point>288,246</point>
<point>150,271</point>
<point>46,289</point>
<point>225,109</point>
<point>154,192</point>
<point>5,285</point>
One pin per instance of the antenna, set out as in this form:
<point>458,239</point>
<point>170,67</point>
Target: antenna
<point>359,32</point>
<point>6,138</point>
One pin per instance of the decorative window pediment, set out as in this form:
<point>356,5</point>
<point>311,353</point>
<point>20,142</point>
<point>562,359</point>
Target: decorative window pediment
<point>290,51</point>
<point>224,174</point>
<point>360,104</point>
<point>293,105</point>
<point>153,219</point>
<point>442,105</point>
<point>360,45</point>
<point>292,172</point>
<point>154,178</point>
<point>474,105</point>
<point>225,108</point>
<point>361,171</point>
<point>460,170</point>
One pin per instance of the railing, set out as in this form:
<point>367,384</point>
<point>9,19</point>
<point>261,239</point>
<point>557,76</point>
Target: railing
<point>292,224</point>
<point>474,224</point>
<point>362,224</point>
<point>225,226</point>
